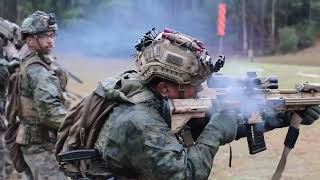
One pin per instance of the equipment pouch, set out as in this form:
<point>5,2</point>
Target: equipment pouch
<point>36,135</point>
<point>22,135</point>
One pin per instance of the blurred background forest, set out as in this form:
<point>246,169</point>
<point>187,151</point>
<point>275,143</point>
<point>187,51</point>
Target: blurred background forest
<point>89,26</point>
<point>97,37</point>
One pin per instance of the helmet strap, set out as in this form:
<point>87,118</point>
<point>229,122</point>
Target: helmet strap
<point>41,49</point>
<point>181,91</point>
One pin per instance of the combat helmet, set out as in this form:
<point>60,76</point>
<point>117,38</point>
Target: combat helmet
<point>8,30</point>
<point>175,57</point>
<point>38,22</point>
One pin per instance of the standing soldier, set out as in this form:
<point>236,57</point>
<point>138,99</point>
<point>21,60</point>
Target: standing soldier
<point>41,97</point>
<point>8,53</point>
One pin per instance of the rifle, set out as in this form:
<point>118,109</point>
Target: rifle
<point>262,92</point>
<point>70,74</point>
<point>249,95</point>
<point>72,95</point>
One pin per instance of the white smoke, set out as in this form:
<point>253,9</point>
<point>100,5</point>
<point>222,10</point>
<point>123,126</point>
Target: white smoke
<point>113,30</point>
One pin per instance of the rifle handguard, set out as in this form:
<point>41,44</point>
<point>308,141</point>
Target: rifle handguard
<point>80,154</point>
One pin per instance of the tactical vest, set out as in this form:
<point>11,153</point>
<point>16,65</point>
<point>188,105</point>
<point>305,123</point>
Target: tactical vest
<point>18,109</point>
<point>30,131</point>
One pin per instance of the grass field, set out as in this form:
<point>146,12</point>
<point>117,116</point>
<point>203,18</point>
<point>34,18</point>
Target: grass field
<point>287,73</point>
<point>304,160</point>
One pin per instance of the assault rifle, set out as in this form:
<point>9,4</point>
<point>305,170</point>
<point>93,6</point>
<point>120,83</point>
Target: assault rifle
<point>70,74</point>
<point>249,95</point>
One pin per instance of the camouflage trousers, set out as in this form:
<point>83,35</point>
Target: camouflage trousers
<point>43,166</point>
<point>6,168</point>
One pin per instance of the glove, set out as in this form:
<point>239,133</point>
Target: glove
<point>310,115</point>
<point>11,51</point>
<point>2,124</point>
<point>273,119</point>
<point>4,74</point>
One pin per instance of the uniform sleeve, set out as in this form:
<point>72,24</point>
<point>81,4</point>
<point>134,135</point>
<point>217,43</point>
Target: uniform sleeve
<point>47,95</point>
<point>4,73</point>
<point>153,150</point>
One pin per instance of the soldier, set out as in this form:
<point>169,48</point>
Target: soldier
<point>136,141</point>
<point>41,97</point>
<point>8,53</point>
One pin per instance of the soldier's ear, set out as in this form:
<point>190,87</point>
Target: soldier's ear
<point>162,88</point>
<point>30,41</point>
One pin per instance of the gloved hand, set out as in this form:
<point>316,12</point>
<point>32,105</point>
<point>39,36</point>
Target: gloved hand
<point>273,119</point>
<point>11,51</point>
<point>310,115</point>
<point>2,124</point>
<point>4,75</point>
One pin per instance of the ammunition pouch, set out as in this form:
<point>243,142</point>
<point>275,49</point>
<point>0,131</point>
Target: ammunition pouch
<point>28,134</point>
<point>27,108</point>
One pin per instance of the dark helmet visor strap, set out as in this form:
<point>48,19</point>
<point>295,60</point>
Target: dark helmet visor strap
<point>181,91</point>
<point>41,50</point>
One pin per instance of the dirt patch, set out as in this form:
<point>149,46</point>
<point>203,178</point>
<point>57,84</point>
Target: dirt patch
<point>309,56</point>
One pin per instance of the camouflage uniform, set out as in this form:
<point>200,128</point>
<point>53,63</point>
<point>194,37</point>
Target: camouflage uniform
<point>42,108</point>
<point>4,75</point>
<point>136,140</point>
<point>8,32</point>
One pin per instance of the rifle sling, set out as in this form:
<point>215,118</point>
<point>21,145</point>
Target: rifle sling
<point>295,123</point>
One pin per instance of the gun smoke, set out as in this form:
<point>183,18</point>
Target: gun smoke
<point>113,30</point>
<point>244,94</point>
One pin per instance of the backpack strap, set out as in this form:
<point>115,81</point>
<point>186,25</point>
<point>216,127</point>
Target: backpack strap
<point>83,121</point>
<point>32,59</point>
<point>88,142</point>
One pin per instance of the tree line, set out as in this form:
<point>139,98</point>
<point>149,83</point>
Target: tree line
<point>265,26</point>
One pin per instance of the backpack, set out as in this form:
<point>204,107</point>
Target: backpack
<point>80,129</point>
<point>81,126</point>
<point>12,111</point>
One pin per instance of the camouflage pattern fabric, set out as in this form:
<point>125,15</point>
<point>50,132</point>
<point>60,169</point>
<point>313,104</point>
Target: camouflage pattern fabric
<point>6,168</point>
<point>43,87</point>
<point>136,141</point>
<point>39,22</point>
<point>5,164</point>
<point>4,76</point>
<point>46,167</point>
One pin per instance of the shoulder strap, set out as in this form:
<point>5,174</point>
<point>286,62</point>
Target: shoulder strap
<point>33,60</point>
<point>83,121</point>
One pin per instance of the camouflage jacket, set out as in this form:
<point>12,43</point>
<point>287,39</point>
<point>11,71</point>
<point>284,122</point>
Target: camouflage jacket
<point>4,77</point>
<point>136,141</point>
<point>41,87</point>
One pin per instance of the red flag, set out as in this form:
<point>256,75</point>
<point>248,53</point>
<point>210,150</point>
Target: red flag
<point>221,23</point>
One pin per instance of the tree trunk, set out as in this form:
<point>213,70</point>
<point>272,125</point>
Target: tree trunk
<point>66,4</point>
<point>263,26</point>
<point>34,4</point>
<point>2,8</point>
<point>310,12</point>
<point>54,5</point>
<point>244,27</point>
<point>273,24</point>
<point>10,10</point>
<point>201,3</point>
